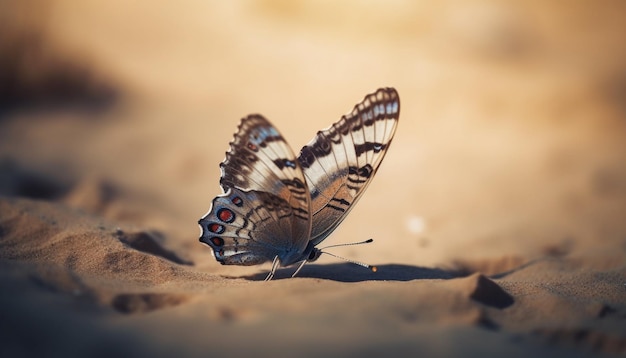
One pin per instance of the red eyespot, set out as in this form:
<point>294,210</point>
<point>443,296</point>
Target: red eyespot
<point>237,201</point>
<point>226,215</point>
<point>216,228</point>
<point>217,241</point>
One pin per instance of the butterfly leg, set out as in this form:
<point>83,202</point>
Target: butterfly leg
<point>299,268</point>
<point>274,267</point>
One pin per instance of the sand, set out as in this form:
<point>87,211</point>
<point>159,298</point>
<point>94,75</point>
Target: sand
<point>497,215</point>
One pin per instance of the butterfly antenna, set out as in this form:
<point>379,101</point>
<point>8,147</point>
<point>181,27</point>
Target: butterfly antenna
<point>349,244</point>
<point>373,268</point>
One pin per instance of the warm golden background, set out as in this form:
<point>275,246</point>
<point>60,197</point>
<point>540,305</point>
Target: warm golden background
<point>509,160</point>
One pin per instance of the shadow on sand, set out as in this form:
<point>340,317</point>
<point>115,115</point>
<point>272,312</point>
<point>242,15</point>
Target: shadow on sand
<point>346,272</point>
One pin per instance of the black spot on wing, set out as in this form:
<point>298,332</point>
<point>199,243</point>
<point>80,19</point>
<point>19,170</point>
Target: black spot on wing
<point>282,163</point>
<point>341,201</point>
<point>335,208</point>
<point>362,172</point>
<point>306,158</point>
<point>368,146</point>
<point>321,147</point>
<point>294,184</point>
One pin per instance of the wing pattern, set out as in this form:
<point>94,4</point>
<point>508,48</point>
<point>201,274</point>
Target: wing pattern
<point>340,162</point>
<point>275,206</point>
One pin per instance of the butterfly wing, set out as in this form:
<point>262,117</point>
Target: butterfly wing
<point>265,208</point>
<point>340,162</point>
<point>249,228</point>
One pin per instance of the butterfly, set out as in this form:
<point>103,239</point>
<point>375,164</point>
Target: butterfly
<point>276,207</point>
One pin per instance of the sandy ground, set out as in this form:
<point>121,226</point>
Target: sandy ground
<point>498,215</point>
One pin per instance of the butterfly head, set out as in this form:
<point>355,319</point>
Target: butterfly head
<point>314,255</point>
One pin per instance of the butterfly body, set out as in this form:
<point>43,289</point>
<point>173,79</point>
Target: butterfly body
<point>276,206</point>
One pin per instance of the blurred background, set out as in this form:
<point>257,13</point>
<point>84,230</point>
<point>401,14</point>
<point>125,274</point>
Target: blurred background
<point>511,137</point>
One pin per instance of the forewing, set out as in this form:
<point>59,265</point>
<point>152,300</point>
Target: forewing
<point>264,211</point>
<point>260,159</point>
<point>340,162</point>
